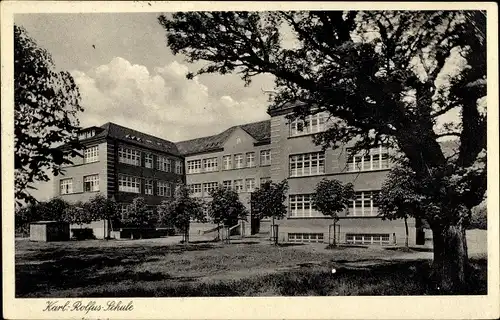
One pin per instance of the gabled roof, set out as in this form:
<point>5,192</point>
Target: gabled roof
<point>115,131</point>
<point>260,131</point>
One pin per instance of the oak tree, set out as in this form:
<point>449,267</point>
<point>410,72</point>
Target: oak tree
<point>384,77</point>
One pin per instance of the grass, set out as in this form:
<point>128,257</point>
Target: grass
<point>146,268</point>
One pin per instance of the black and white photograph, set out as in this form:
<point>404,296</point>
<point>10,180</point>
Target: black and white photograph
<point>244,152</point>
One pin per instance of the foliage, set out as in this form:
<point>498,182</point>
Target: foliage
<point>374,72</point>
<point>383,77</point>
<point>225,207</point>
<point>102,208</point>
<point>331,197</point>
<point>138,215</point>
<point>269,200</point>
<point>181,210</point>
<point>479,219</point>
<point>77,213</point>
<point>47,103</point>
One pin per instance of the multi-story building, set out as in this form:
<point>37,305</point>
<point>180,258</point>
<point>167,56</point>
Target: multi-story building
<point>238,158</point>
<point>277,149</point>
<point>121,163</point>
<point>296,158</point>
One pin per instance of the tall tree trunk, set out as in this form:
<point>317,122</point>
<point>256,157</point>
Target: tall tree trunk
<point>406,230</point>
<point>451,262</point>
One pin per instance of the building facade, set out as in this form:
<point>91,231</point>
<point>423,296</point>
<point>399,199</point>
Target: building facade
<point>123,164</point>
<point>244,156</point>
<point>238,158</point>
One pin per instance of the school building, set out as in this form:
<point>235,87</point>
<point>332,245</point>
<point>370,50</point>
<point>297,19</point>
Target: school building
<point>124,163</point>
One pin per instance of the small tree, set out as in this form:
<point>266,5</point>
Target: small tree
<point>77,214</point>
<point>400,197</point>
<point>102,208</point>
<point>269,201</point>
<point>54,209</point>
<point>226,207</point>
<point>137,215</point>
<point>181,210</point>
<point>331,197</point>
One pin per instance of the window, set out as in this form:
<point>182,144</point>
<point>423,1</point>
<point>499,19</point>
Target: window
<point>148,160</point>
<point>66,186</point>
<point>148,187</point>
<point>164,189</point>
<point>209,186</point>
<point>163,163</point>
<point>364,204</point>
<point>250,184</point>
<point>362,238</point>
<point>194,166</point>
<point>238,160</point>
<point>307,164</point>
<point>91,183</point>
<point>195,189</point>
<point>227,163</point>
<point>312,124</point>
<point>264,180</point>
<point>86,134</point>
<point>91,154</point>
<point>129,156</point>
<point>238,185</point>
<point>301,206</point>
<point>265,157</point>
<point>375,159</point>
<point>123,209</point>
<point>178,166</point>
<point>210,164</point>
<point>129,184</point>
<point>250,159</point>
<point>305,237</point>
<point>227,184</point>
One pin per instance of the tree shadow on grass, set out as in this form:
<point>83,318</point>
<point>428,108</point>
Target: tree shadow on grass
<point>67,268</point>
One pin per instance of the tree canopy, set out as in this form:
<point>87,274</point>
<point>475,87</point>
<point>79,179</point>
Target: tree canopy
<point>181,210</point>
<point>332,197</point>
<point>269,200</point>
<point>384,77</point>
<point>225,207</point>
<point>46,105</point>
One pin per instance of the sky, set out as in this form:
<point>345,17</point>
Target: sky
<point>126,74</point>
<point>131,78</point>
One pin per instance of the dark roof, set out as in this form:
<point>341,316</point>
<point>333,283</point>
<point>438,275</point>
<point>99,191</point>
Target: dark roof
<point>260,131</point>
<point>114,131</point>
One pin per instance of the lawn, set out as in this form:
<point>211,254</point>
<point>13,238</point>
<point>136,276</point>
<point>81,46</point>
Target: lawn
<point>162,268</point>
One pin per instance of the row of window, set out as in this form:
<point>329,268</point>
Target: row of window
<point>360,238</point>
<point>351,238</point>
<point>311,124</point>
<point>133,185</point>
<point>163,163</point>
<point>90,184</point>
<point>363,205</point>
<point>125,184</point>
<point>309,164</point>
<point>239,185</point>
<point>229,162</point>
